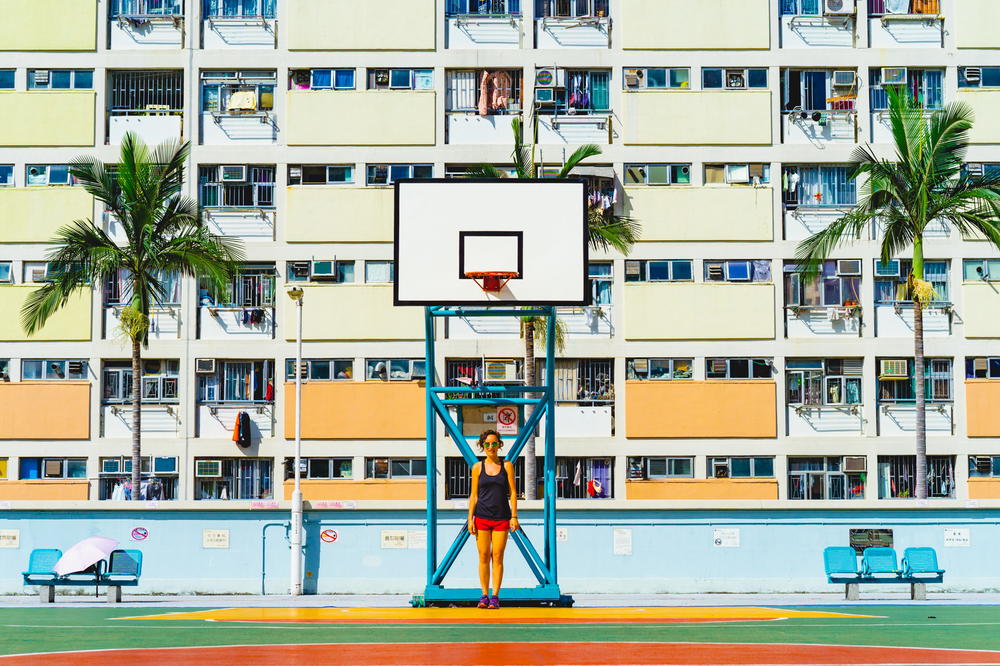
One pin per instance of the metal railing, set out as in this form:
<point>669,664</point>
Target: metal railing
<point>146,92</point>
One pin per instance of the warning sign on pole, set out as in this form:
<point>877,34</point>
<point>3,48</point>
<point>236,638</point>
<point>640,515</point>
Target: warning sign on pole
<point>507,420</point>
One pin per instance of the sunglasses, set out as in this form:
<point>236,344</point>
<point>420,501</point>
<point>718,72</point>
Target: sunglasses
<point>492,445</point>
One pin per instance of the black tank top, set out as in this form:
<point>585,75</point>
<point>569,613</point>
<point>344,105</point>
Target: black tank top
<point>493,500</point>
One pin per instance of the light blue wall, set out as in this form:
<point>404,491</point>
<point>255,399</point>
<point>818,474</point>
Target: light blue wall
<point>672,551</point>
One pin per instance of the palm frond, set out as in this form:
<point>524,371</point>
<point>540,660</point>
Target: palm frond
<point>524,162</point>
<point>485,171</point>
<point>611,232</point>
<point>580,154</point>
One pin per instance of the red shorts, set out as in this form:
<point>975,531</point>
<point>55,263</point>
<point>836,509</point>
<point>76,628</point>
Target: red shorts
<point>492,525</point>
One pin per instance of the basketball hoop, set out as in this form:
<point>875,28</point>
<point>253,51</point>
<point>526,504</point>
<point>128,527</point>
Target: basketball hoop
<point>492,281</point>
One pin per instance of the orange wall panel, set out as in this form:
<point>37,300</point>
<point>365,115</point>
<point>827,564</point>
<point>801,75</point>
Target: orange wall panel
<point>45,489</point>
<point>981,416</point>
<point>984,488</point>
<point>368,489</point>
<point>45,410</point>
<point>357,410</point>
<point>680,409</point>
<point>703,489</point>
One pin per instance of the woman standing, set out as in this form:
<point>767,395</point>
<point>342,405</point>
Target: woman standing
<point>492,513</point>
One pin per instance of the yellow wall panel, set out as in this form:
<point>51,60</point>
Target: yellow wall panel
<point>702,489</point>
<point>367,489</point>
<point>357,410</point>
<point>71,322</point>
<point>47,118</point>
<point>34,214</point>
<point>976,24</point>
<point>361,118</point>
<point>361,25</point>
<point>707,24</point>
<point>986,105</point>
<point>981,310</point>
<point>712,408</point>
<point>45,489</point>
<point>352,312</point>
<point>981,399</point>
<point>697,117</point>
<point>48,25</point>
<point>3,468</point>
<point>28,410</point>
<point>702,213</point>
<point>333,214</point>
<point>984,488</point>
<point>699,311</point>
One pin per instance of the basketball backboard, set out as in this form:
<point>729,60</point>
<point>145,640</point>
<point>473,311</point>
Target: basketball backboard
<point>449,228</point>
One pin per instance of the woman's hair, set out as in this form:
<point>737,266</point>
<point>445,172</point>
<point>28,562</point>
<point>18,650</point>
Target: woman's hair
<point>487,433</point>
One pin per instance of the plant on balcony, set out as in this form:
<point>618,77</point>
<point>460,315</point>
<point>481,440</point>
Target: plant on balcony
<point>923,182</point>
<point>605,231</point>
<point>164,233</point>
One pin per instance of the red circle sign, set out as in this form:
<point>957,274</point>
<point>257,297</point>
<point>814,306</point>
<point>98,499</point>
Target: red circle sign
<point>507,416</point>
<point>329,536</point>
<point>139,533</point>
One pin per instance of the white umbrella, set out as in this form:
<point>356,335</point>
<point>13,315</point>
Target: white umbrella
<point>82,555</point>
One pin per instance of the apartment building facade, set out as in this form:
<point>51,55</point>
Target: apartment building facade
<point>708,373</point>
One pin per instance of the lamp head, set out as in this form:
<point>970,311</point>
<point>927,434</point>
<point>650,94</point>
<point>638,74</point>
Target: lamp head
<point>295,293</point>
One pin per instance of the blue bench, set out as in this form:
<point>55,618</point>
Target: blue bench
<point>124,570</point>
<point>878,566</point>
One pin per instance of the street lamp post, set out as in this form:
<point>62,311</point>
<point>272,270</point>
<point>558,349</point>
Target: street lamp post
<point>295,293</point>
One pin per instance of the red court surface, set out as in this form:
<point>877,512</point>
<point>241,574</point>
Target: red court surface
<point>475,654</point>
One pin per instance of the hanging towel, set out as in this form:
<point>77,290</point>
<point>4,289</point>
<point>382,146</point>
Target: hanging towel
<point>896,6</point>
<point>484,94</point>
<point>578,476</point>
<point>269,391</point>
<point>501,91</point>
<point>243,100</point>
<point>224,495</point>
<point>244,425</point>
<point>236,428</point>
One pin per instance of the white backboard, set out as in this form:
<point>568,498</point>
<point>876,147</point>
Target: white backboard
<point>446,228</point>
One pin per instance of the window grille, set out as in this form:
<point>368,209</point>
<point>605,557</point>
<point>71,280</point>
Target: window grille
<point>146,91</point>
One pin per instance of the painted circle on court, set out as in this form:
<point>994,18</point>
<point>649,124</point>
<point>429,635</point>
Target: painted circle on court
<point>507,416</point>
<point>139,534</point>
<point>329,536</point>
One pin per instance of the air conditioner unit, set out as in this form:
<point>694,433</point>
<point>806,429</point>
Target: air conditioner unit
<point>633,268</point>
<point>204,366</point>
<point>550,77</point>
<point>208,468</point>
<point>40,274</point>
<point>499,370</point>
<point>75,367</point>
<point>973,74</point>
<point>325,269</point>
<point>633,77</point>
<point>975,169</point>
<point>983,463</point>
<point>41,77</point>
<point>545,96</point>
<point>736,78</point>
<point>848,267</point>
<point>893,369</point>
<point>235,173</point>
<point>299,268</point>
<point>888,269</point>
<point>892,76</point>
<point>720,469</point>
<point>855,463</point>
<point>838,7</point>
<point>303,370</point>
<point>843,78</point>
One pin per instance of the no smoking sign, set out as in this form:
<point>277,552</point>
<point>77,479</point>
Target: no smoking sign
<point>507,420</point>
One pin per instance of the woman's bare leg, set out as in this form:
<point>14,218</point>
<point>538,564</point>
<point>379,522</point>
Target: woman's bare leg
<point>483,542</point>
<point>499,544</point>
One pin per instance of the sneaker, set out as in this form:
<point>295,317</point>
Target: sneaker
<point>494,602</point>
<point>484,601</point>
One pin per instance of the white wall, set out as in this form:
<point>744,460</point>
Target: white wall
<point>152,130</point>
<point>555,33</point>
<point>227,323</point>
<point>901,420</point>
<point>155,34</point>
<point>221,423</point>
<point>483,33</point>
<point>573,129</point>
<point>473,128</point>
<point>239,130</point>
<point>890,324</point>
<point>801,32</point>
<point>164,323</point>
<point>905,33</point>
<point>160,420</point>
<point>825,420</point>
<point>248,225</point>
<point>816,322</point>
<point>239,34</point>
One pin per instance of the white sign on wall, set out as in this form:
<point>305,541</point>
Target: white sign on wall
<point>215,538</point>
<point>957,537</point>
<point>394,539</point>
<point>507,420</point>
<point>622,541</point>
<point>728,537</point>
<point>10,538</point>
<point>562,534</point>
<point>416,539</point>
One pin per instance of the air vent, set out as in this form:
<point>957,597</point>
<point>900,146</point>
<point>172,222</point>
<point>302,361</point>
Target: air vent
<point>208,468</point>
<point>892,76</point>
<point>848,267</point>
<point>204,366</point>
<point>893,369</point>
<point>633,77</point>
<point>887,269</point>
<point>973,74</point>
<point>843,78</point>
<point>324,269</point>
<point>299,268</point>
<point>234,173</point>
<point>855,463</point>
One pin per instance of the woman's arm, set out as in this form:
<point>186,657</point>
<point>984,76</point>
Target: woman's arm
<point>514,524</point>
<point>473,497</point>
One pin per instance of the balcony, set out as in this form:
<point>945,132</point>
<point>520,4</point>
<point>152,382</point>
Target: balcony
<point>975,25</point>
<point>803,221</point>
<point>157,420</point>
<point>981,399</point>
<point>899,419</point>
<point>239,31</point>
<point>229,322</point>
<point>697,117</point>
<point>699,311</point>
<point>692,214</point>
<point>253,225</point>
<point>34,214</point>
<point>348,25</point>
<point>164,322</point>
<point>807,321</point>
<point>596,127</point>
<point>986,105</point>
<point>337,214</point>
<point>585,322</point>
<point>700,409</point>
<point>922,26</point>
<point>71,322</point>
<point>56,25</point>
<point>821,127</point>
<point>146,24</point>
<point>333,312</point>
<point>463,127</point>
<point>153,127</point>
<point>813,420</point>
<point>218,419</point>
<point>484,31</point>
<point>43,118</point>
<point>376,118</point>
<point>386,490</point>
<point>683,25</point>
<point>227,128</point>
<point>895,320</point>
<point>45,489</point>
<point>39,410</point>
<point>702,489</point>
<point>357,410</point>
<point>573,32</point>
<point>804,31</point>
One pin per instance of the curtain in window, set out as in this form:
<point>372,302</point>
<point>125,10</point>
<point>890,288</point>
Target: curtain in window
<point>238,381</point>
<point>461,91</point>
<point>171,288</point>
<point>600,99</point>
<point>761,270</point>
<point>932,95</point>
<point>457,7</point>
<point>936,272</point>
<point>601,472</point>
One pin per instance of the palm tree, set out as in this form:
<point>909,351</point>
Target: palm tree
<point>925,181</point>
<point>164,234</point>
<point>605,231</point>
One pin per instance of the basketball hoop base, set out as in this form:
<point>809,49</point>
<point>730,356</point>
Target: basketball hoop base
<point>492,281</point>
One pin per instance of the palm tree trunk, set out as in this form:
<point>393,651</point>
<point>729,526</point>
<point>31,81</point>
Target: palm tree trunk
<point>918,371</point>
<point>530,484</point>
<point>136,417</point>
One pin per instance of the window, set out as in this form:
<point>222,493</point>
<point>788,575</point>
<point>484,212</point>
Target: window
<point>238,381</point>
<point>981,466</point>
<point>582,380</point>
<point>980,367</point>
<point>237,92</point>
<point>737,174</point>
<point>400,79</point>
<point>838,284</point>
<point>6,175</point>
<point>586,91</point>
<point>816,382</point>
<point>818,186</point>
<point>48,174</point>
<point>145,91</point>
<point>233,478</point>
<point>480,371</point>
<point>656,77</point>
<point>974,270</point>
<point>394,369</point>
<point>379,271</point>
<point>979,77</point>
<point>118,289</point>
<point>657,174</point>
<point>60,79</point>
<point>3,468</point>
<point>572,8</point>
<point>464,90</point>
<point>395,468</point>
<point>801,7</point>
<point>159,381</point>
<point>892,278</point>
<point>740,468</point>
<point>321,79</point>
<point>820,478</point>
<point>896,380</point>
<point>738,368</point>
<point>458,477</point>
<point>733,78</point>
<point>6,79</point>
<point>878,8</point>
<point>584,478</point>
<point>738,270</point>
<point>602,282</point>
<point>488,7</point>
<point>321,468</point>
<point>53,369</point>
<point>926,86</point>
<point>657,270</point>
<point>322,369</point>
<point>897,476</point>
<point>251,287</point>
<point>4,369</point>
<point>236,186</point>
<point>145,8</point>
<point>387,174</point>
<point>808,90</point>
<point>658,368</point>
<point>53,468</point>
<point>332,174</point>
<point>6,274</point>
<point>239,8</point>
<point>660,467</point>
<point>159,478</point>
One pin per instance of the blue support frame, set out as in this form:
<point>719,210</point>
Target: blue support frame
<point>439,398</point>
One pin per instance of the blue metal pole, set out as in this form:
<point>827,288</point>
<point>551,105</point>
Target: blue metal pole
<point>550,446</point>
<point>431,447</point>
